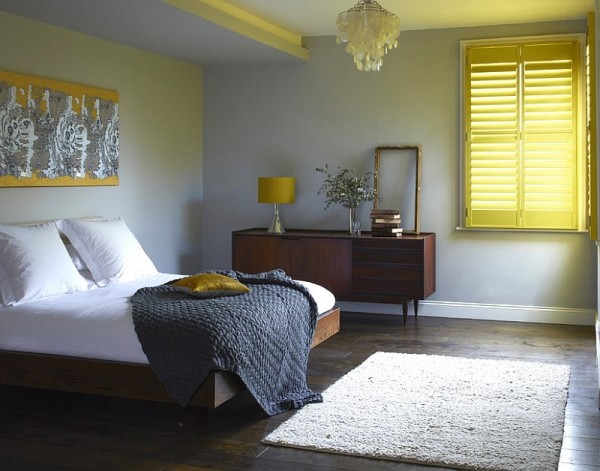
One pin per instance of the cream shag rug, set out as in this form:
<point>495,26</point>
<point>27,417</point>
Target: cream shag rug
<point>496,415</point>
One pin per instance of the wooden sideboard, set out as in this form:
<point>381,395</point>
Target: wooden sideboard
<point>361,269</point>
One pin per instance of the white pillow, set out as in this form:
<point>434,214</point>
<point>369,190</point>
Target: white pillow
<point>34,263</point>
<point>76,258</point>
<point>5,289</point>
<point>109,249</point>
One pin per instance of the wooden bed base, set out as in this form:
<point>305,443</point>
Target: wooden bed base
<point>126,380</point>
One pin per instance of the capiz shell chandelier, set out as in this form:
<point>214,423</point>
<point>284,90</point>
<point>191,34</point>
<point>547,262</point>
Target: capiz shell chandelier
<point>370,31</point>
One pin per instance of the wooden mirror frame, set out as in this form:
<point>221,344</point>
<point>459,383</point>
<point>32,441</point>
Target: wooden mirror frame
<point>377,172</point>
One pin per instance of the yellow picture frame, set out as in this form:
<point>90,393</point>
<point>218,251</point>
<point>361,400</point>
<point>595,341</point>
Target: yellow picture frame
<point>55,133</point>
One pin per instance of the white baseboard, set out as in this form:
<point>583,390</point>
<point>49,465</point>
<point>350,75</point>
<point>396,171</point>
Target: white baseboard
<point>492,312</point>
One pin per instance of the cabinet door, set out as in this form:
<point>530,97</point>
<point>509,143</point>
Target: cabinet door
<point>255,253</point>
<point>322,260</point>
<point>327,262</point>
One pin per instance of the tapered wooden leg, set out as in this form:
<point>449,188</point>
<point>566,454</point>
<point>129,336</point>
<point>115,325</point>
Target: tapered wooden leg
<point>405,309</point>
<point>416,303</point>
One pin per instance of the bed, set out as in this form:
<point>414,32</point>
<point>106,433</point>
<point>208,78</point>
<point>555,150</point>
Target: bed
<point>82,338</point>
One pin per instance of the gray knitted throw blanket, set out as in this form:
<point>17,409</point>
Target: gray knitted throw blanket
<point>263,336</point>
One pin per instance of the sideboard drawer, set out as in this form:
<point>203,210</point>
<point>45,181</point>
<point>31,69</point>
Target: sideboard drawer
<point>412,289</point>
<point>391,243</point>
<point>387,272</point>
<point>387,256</point>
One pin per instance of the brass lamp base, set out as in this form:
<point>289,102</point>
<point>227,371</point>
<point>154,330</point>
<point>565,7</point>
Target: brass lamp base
<point>276,226</point>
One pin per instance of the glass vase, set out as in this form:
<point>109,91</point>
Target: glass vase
<point>351,220</point>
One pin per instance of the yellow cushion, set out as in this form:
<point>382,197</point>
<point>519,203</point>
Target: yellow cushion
<point>210,285</point>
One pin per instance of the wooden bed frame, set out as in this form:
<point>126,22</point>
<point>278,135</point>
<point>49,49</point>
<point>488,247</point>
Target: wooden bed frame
<point>126,380</point>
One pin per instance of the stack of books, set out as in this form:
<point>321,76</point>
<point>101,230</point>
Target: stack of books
<point>386,223</point>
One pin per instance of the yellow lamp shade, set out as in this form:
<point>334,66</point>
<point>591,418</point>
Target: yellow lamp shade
<point>281,190</point>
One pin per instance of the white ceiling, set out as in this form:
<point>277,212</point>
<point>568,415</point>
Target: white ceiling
<point>317,17</point>
<point>158,27</point>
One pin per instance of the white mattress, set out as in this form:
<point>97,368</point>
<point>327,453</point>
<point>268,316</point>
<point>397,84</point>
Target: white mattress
<point>92,324</point>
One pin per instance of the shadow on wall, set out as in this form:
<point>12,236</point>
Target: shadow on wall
<point>190,259</point>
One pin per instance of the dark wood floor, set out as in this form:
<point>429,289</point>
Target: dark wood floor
<point>55,431</point>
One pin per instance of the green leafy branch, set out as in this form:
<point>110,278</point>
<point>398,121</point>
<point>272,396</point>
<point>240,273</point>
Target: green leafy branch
<point>346,188</point>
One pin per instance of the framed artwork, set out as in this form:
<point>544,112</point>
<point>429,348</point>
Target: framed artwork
<point>56,133</point>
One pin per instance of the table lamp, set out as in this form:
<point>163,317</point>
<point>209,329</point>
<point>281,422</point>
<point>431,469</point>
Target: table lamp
<point>276,190</point>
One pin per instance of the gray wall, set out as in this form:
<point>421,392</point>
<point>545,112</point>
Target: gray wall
<point>160,106</point>
<point>287,120</point>
<point>183,200</point>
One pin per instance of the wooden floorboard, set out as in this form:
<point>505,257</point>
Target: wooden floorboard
<point>42,430</point>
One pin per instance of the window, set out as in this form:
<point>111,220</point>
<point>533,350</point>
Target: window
<point>524,121</point>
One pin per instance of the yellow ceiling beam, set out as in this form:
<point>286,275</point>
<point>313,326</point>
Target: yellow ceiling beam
<point>245,23</point>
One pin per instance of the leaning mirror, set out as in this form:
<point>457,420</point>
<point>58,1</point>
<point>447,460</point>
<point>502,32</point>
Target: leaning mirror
<point>397,182</point>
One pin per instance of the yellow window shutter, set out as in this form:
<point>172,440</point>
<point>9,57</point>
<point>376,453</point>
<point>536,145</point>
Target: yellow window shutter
<point>550,135</point>
<point>592,163</point>
<point>492,136</point>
